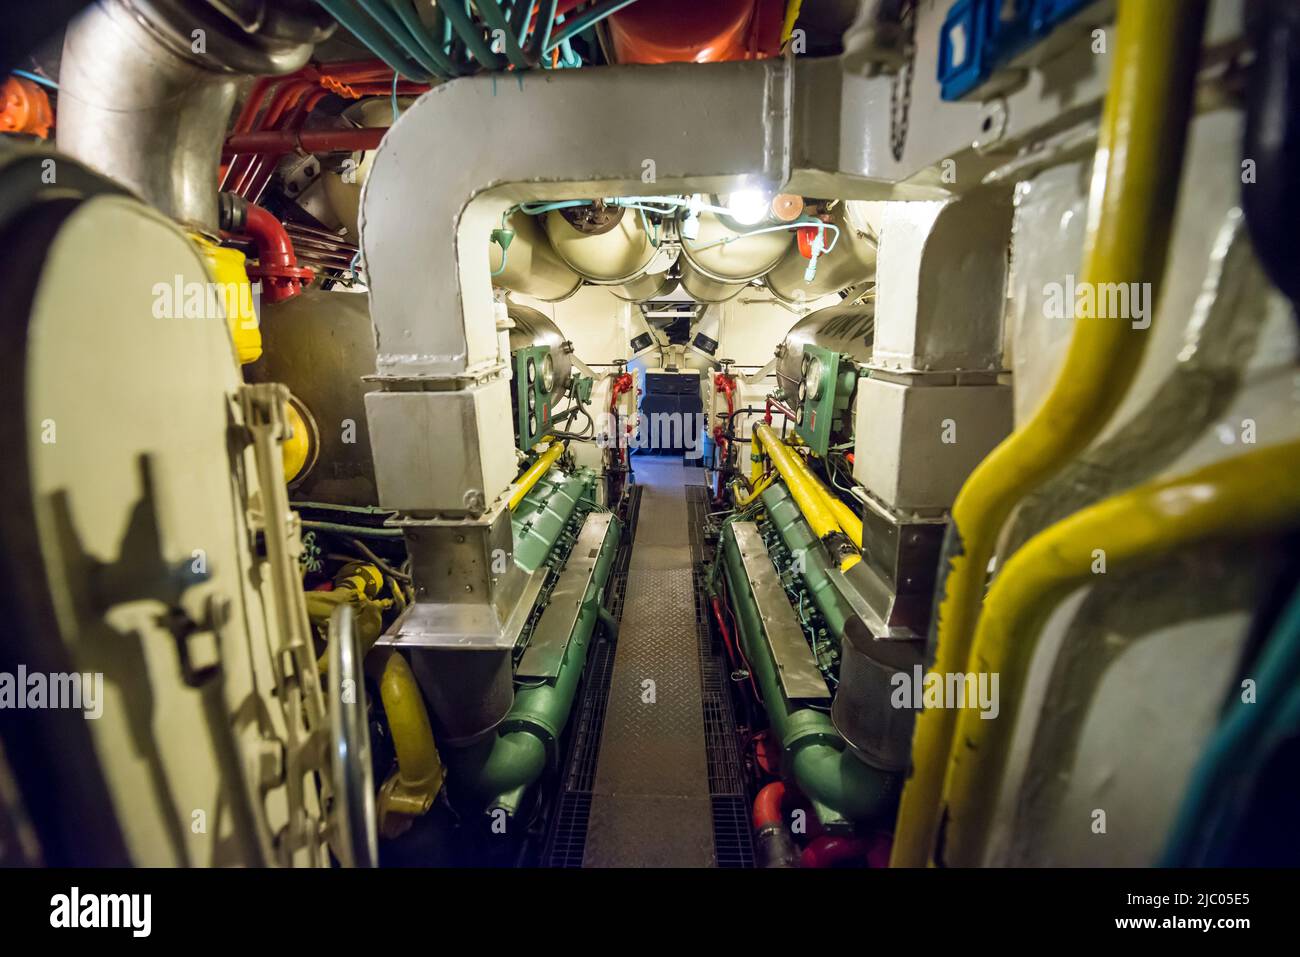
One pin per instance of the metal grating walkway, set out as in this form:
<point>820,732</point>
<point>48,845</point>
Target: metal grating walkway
<point>651,804</point>
<point>732,838</point>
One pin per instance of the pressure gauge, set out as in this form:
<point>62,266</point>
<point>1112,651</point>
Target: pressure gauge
<point>813,379</point>
<point>548,373</point>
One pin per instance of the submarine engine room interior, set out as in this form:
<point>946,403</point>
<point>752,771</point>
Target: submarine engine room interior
<point>651,433</point>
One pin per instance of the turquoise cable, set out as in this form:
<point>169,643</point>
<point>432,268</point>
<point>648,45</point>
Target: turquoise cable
<point>359,24</point>
<point>1235,745</point>
<point>468,31</point>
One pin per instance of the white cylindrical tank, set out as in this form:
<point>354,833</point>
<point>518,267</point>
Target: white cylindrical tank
<point>607,245</point>
<point>851,260</point>
<point>532,267</point>
<point>714,270</point>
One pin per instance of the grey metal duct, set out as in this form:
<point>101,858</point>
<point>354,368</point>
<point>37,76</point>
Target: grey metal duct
<point>146,90</point>
<point>444,399</point>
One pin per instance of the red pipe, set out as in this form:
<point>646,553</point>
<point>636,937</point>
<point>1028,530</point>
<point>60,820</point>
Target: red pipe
<point>726,633</point>
<point>838,850</point>
<point>767,806</point>
<point>277,266</point>
<point>309,141</point>
<point>266,165</point>
<point>286,95</point>
<point>780,407</point>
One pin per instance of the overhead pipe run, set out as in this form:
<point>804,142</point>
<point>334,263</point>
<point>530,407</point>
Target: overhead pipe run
<point>280,142</point>
<point>1135,185</point>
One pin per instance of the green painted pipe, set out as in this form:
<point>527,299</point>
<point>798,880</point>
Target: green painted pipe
<point>458,16</point>
<point>813,753</point>
<point>542,515</point>
<point>377,40</point>
<point>423,40</point>
<point>495,773</point>
<point>798,537</point>
<point>495,18</point>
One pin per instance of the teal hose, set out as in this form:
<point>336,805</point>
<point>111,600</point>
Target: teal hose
<point>493,16</point>
<point>521,17</point>
<point>422,36</point>
<point>465,28</point>
<point>1240,744</point>
<point>356,531</point>
<point>542,34</point>
<point>576,23</point>
<point>358,23</point>
<point>36,78</point>
<point>387,17</point>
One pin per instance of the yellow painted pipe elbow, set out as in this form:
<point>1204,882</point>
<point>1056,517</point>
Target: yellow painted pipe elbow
<point>1241,498</point>
<point>410,790</point>
<point>1134,189</point>
<point>742,499</point>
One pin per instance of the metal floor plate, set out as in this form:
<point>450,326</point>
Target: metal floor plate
<point>651,805</point>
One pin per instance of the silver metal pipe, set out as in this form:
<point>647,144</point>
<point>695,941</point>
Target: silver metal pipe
<point>145,97</point>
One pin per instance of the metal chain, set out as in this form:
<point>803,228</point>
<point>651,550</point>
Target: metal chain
<point>900,95</point>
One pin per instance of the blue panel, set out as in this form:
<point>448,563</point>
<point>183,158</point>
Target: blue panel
<point>980,37</point>
<point>961,65</point>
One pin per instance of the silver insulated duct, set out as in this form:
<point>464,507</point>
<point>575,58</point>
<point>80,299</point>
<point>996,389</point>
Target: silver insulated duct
<point>147,87</point>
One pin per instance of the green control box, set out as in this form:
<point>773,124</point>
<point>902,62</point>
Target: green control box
<point>533,394</point>
<point>825,399</point>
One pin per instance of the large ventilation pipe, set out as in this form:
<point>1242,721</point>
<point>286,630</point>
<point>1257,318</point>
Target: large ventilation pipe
<point>147,86</point>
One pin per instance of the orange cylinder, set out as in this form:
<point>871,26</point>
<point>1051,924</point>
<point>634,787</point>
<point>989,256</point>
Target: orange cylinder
<point>24,108</point>
<point>691,31</point>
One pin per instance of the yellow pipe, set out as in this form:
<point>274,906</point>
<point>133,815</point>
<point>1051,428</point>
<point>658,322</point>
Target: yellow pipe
<point>410,790</point>
<point>357,583</point>
<point>1240,498</point>
<point>742,499</point>
<point>535,472</point>
<point>757,461</point>
<point>848,521</point>
<point>806,489</point>
<point>1134,188</point>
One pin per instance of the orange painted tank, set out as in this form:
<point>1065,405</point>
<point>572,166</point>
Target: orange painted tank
<point>696,31</point>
